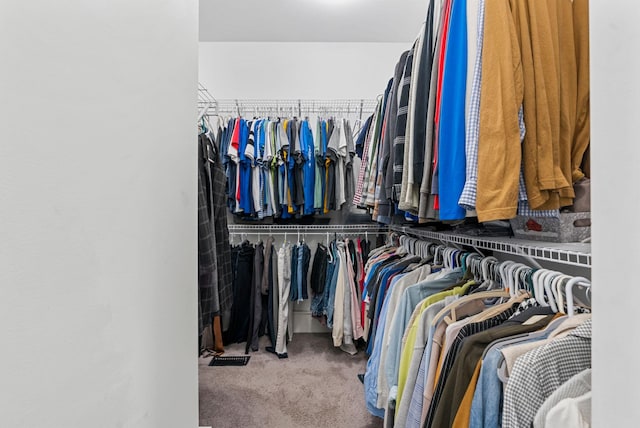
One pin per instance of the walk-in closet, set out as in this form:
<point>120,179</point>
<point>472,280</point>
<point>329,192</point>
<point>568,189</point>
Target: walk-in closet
<point>318,213</point>
<point>420,244</point>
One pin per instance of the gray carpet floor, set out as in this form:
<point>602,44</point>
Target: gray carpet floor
<point>316,387</point>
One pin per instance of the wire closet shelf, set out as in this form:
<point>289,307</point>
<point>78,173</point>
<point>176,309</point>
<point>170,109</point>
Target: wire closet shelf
<point>576,254</point>
<point>208,105</point>
<point>296,107</point>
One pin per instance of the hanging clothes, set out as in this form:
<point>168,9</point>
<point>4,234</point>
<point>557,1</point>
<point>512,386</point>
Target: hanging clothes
<point>300,257</point>
<point>255,306</point>
<point>277,168</point>
<point>214,252</point>
<point>474,135</point>
<point>447,344</point>
<point>243,263</point>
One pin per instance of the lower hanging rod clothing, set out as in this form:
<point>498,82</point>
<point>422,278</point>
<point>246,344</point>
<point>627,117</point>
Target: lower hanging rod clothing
<point>457,339</point>
<point>270,272</point>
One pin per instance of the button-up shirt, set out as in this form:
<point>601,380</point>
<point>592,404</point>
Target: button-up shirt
<point>538,373</point>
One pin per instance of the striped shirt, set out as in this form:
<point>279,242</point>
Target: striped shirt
<point>449,360</point>
<point>401,126</point>
<point>469,192</point>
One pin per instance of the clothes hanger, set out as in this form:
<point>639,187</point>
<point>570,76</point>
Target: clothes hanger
<point>502,273</point>
<point>547,281</point>
<point>520,277</point>
<point>458,257</point>
<point>537,292</point>
<point>526,279</point>
<point>509,272</point>
<point>569,292</point>
<point>518,283</point>
<point>558,282</point>
<point>439,254</point>
<point>484,266</point>
<point>543,278</point>
<point>445,257</point>
<point>461,257</point>
<point>451,307</point>
<point>472,262</point>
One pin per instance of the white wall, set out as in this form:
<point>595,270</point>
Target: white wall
<point>297,70</point>
<point>615,154</point>
<point>97,204</point>
<point>98,315</point>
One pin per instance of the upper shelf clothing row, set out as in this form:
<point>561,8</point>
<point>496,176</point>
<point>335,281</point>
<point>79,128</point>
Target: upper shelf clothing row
<point>279,168</point>
<point>488,111</point>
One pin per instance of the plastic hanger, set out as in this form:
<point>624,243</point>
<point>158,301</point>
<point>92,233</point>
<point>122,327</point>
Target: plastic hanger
<point>436,255</point>
<point>504,280</point>
<point>512,278</point>
<point>558,282</point>
<point>569,292</point>
<point>452,258</point>
<point>453,255</point>
<point>424,248</point>
<point>509,273</point>
<point>470,263</point>
<point>445,258</point>
<point>484,266</point>
<point>538,293</point>
<point>547,289</point>
<point>520,277</point>
<point>483,295</point>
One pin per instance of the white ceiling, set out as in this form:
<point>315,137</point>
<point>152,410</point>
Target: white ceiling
<point>311,20</point>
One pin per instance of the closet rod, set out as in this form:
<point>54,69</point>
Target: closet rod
<point>302,232</point>
<point>238,228</point>
<point>294,107</point>
<point>576,254</point>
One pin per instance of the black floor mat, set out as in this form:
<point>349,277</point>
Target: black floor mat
<point>241,360</point>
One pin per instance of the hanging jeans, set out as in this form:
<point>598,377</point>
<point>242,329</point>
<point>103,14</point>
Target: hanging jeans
<point>284,281</point>
<point>331,287</point>
<point>300,257</point>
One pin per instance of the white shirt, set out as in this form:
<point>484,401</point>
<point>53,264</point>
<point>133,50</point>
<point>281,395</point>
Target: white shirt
<point>571,412</point>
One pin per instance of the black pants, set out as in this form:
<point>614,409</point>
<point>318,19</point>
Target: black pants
<point>240,312</point>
